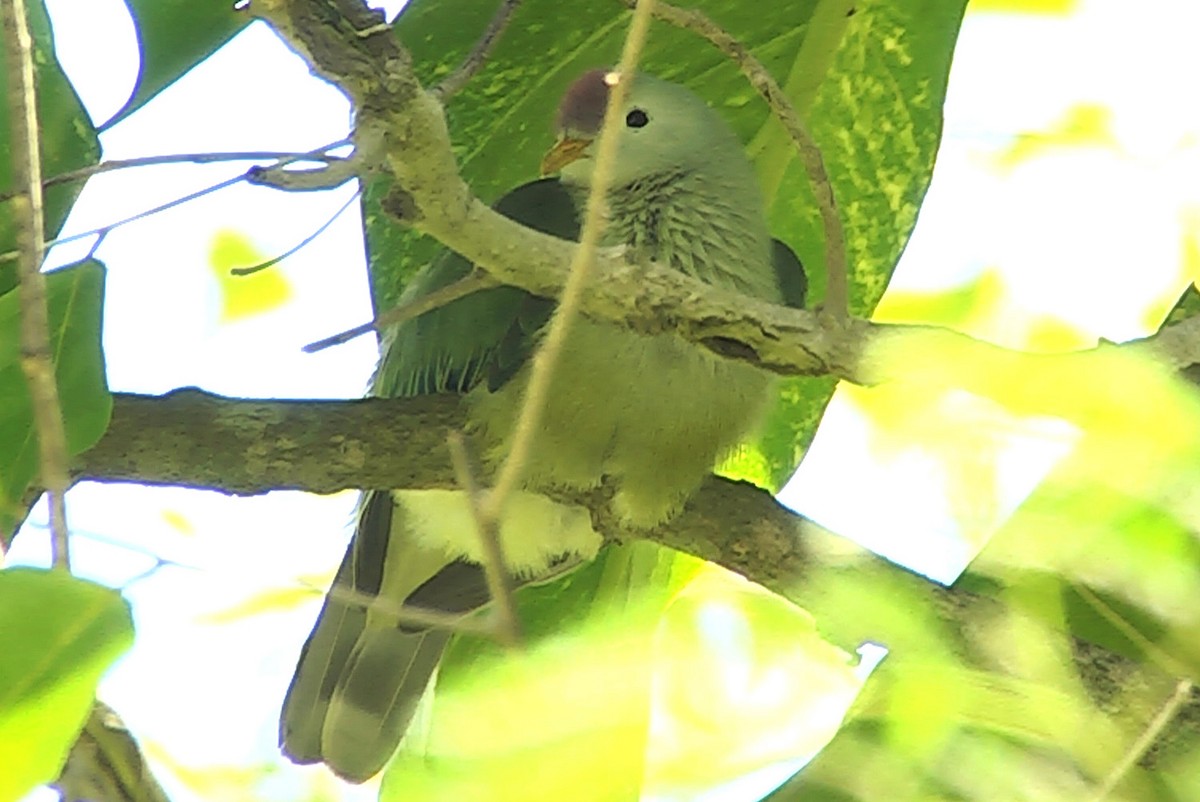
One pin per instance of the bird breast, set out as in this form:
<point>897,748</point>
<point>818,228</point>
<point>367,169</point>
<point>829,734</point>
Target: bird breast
<point>653,412</point>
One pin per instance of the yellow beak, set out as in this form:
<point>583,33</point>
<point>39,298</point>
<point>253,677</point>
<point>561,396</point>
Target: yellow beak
<point>565,150</point>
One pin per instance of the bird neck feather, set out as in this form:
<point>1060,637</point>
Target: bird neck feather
<point>710,225</point>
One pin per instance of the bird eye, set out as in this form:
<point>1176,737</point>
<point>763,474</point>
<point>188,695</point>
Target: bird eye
<point>636,118</point>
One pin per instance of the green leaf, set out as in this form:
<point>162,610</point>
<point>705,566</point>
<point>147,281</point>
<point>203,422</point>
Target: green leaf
<point>598,620</point>
<point>869,77</point>
<point>641,640</point>
<point>176,35</point>
<point>68,140</point>
<point>630,582</point>
<point>877,118</point>
<point>60,634</point>
<point>1119,572</point>
<point>75,297</point>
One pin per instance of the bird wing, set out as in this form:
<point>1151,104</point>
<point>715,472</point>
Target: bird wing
<point>486,335</point>
<point>793,281</point>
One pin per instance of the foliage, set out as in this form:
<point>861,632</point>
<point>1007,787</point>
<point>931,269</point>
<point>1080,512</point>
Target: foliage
<point>60,634</point>
<point>649,671</point>
<point>74,298</point>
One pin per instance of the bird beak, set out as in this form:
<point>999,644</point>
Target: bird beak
<point>565,150</point>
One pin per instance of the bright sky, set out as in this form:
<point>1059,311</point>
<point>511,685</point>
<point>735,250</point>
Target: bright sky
<point>1068,170</point>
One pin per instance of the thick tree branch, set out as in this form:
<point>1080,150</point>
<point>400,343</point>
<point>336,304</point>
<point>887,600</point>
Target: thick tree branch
<point>250,446</point>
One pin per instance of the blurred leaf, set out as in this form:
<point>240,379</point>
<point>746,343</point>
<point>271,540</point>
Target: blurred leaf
<point>174,36</point>
<point>1007,720</point>
<point>179,522</point>
<point>1190,246</point>
<point>60,634</point>
<point>730,679</point>
<point>65,133</point>
<point>615,599</point>
<point>1082,125</point>
<point>743,687</point>
<point>247,295</point>
<point>270,600</point>
<point>75,297</point>
<point>564,718</point>
<point>1048,7</point>
<point>230,783</point>
<point>1125,573</point>
<point>957,307</point>
<point>1050,334</point>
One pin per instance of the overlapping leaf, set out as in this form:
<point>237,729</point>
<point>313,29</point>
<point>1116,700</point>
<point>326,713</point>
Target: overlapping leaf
<point>60,634</point>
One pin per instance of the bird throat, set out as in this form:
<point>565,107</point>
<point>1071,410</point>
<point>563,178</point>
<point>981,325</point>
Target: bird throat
<point>671,218</point>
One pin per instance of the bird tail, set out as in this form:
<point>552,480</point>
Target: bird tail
<point>361,672</point>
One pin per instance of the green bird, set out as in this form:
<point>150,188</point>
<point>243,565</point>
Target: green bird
<point>652,414</point>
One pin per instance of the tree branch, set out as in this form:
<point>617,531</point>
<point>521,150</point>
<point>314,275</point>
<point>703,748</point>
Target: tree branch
<point>250,446</point>
<point>405,124</point>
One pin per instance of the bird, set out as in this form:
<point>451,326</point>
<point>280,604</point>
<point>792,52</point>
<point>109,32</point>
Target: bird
<point>652,414</point>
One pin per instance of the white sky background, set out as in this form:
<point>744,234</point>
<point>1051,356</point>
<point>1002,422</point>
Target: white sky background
<point>1091,235</point>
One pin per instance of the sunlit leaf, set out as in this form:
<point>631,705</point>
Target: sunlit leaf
<point>235,783</point>
<point>1190,225</point>
<point>958,308</point>
<point>179,522</point>
<point>1056,8</point>
<point>731,680</point>
<point>1082,125</point>
<point>554,721</point>
<point>244,296</point>
<point>60,634</point>
<point>271,600</point>
<point>742,682</point>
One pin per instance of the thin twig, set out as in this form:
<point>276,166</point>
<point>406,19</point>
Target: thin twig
<point>252,269</point>
<point>403,613</point>
<point>182,158</point>
<point>500,586</point>
<point>479,53</point>
<point>547,356</point>
<point>408,614</point>
<point>1156,654</point>
<point>836,291</point>
<point>473,282</point>
<point>228,182</point>
<point>37,361</point>
<point>330,175</point>
<point>1183,690</point>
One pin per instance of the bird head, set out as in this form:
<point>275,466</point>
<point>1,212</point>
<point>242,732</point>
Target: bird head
<point>664,128</point>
